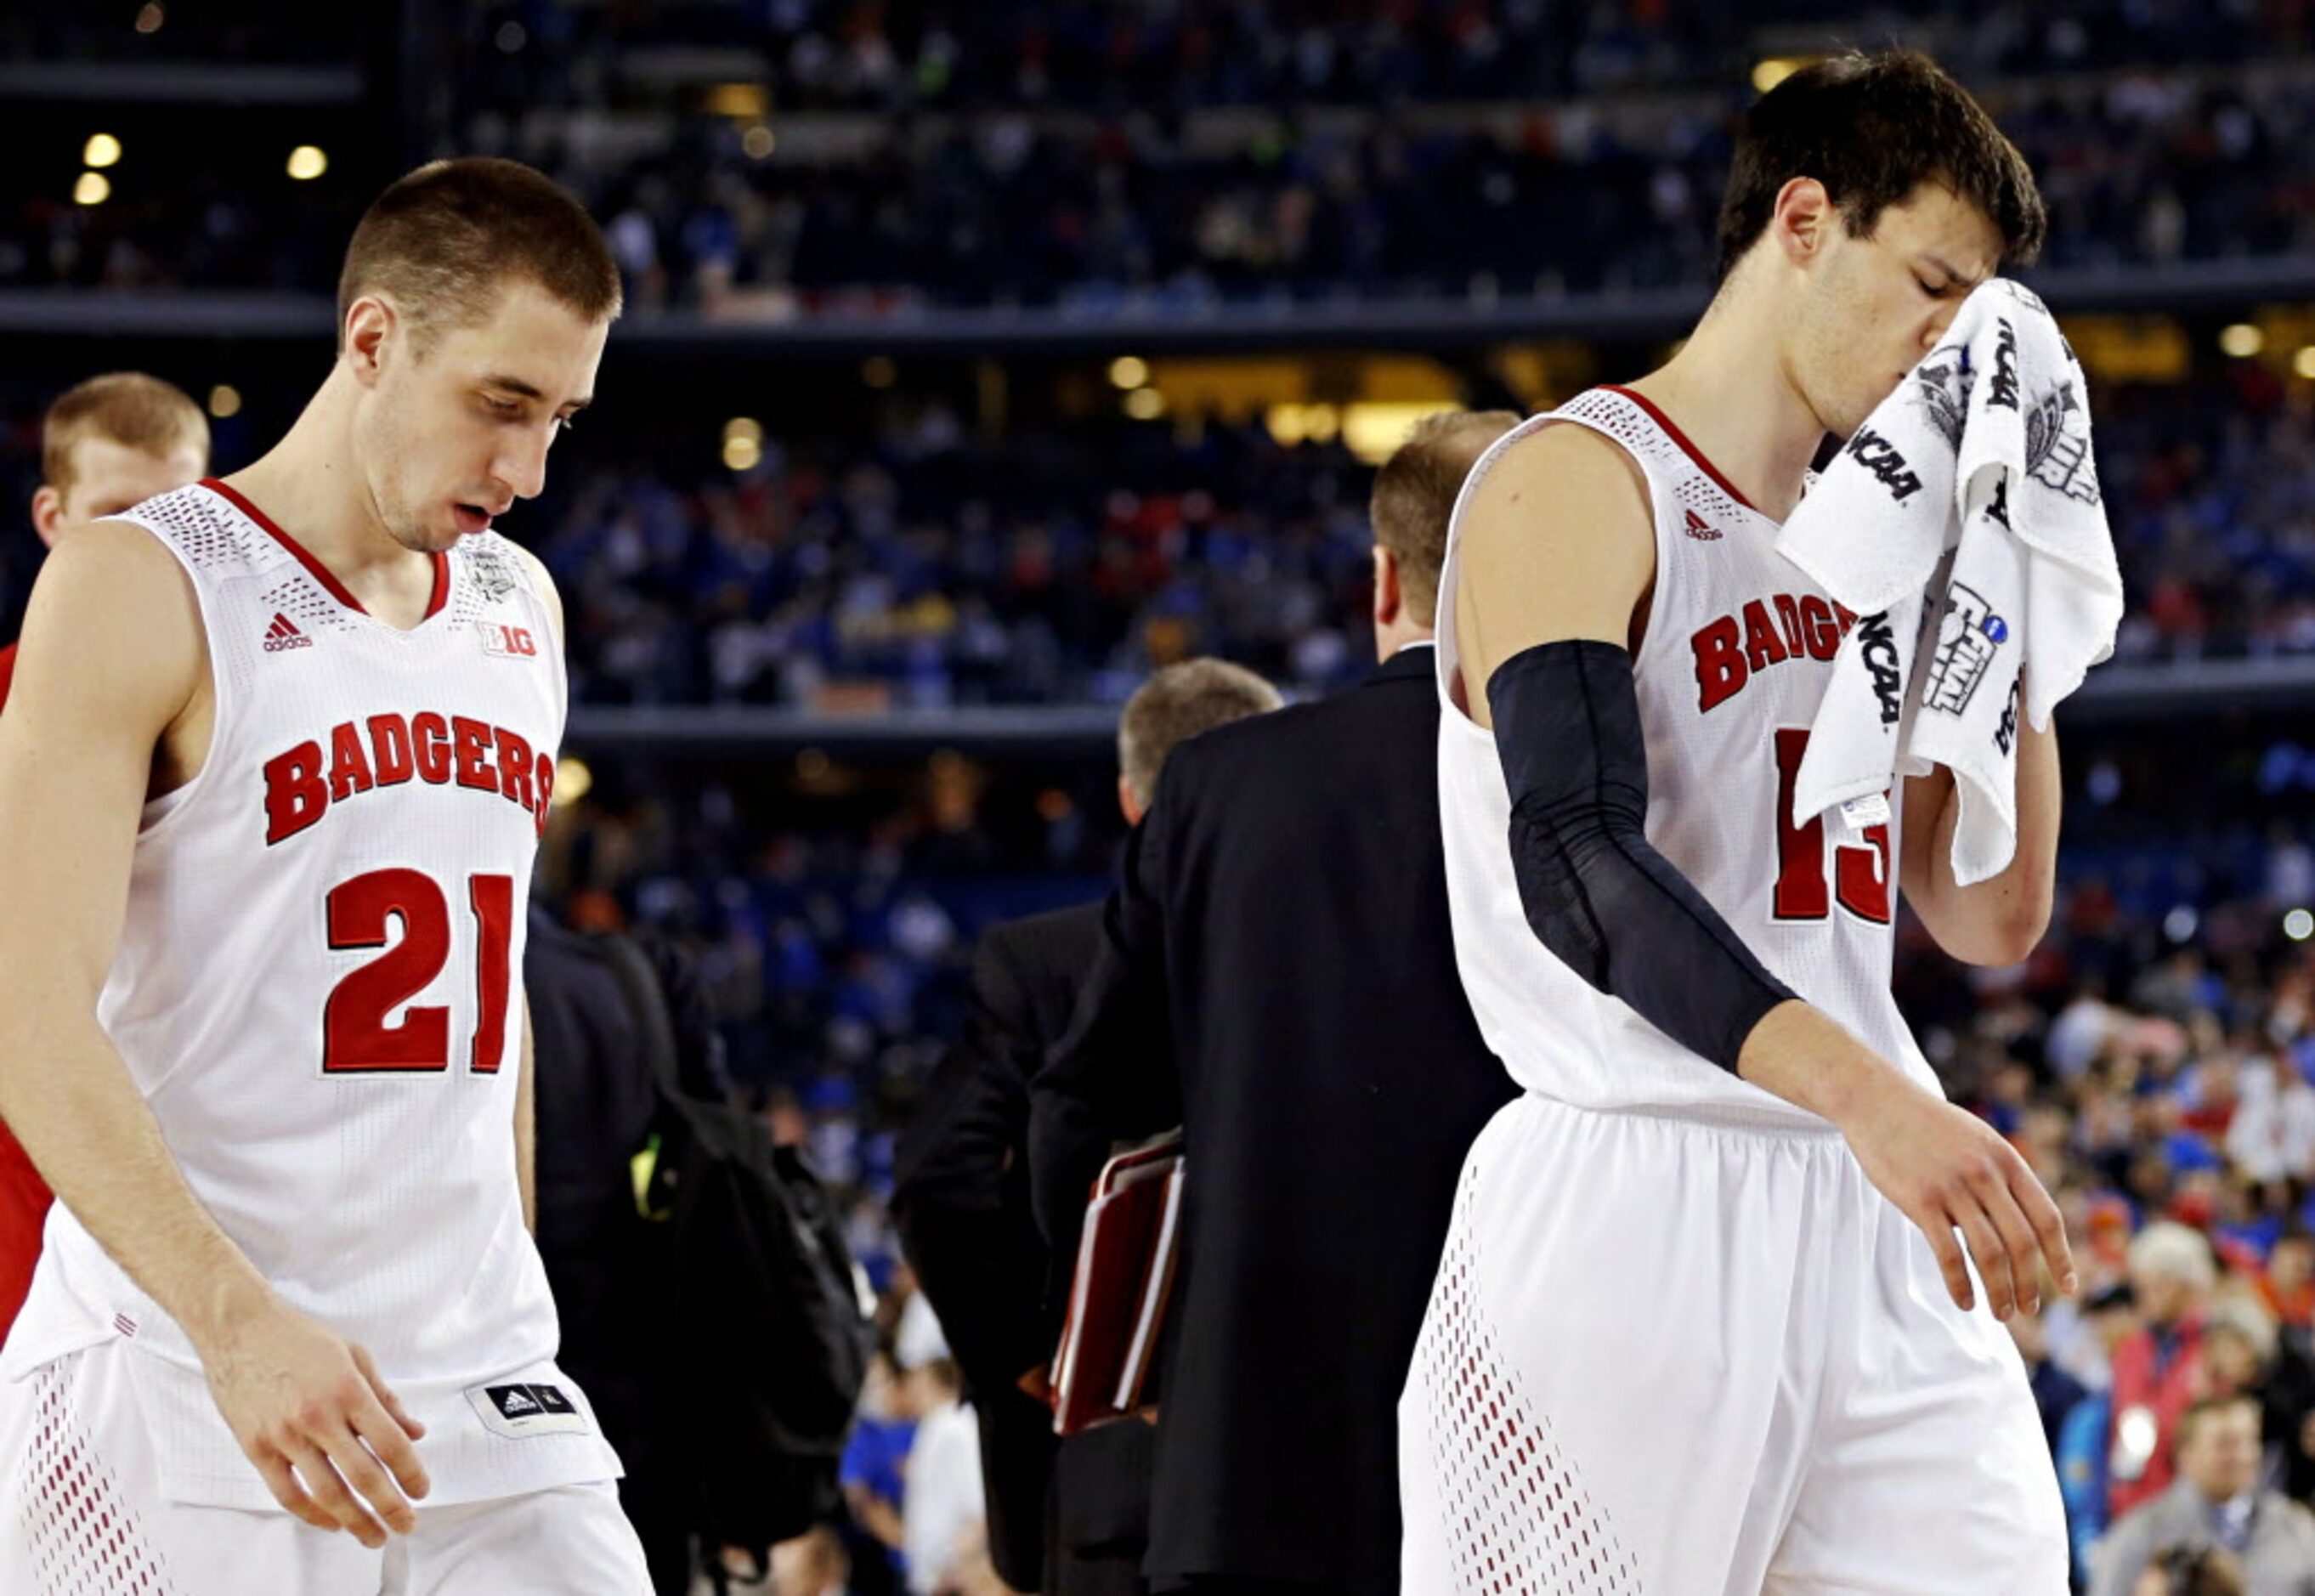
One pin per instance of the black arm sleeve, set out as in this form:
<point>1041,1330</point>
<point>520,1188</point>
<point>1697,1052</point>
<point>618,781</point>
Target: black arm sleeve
<point>1567,728</point>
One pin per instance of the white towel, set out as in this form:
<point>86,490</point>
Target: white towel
<point>1981,455</point>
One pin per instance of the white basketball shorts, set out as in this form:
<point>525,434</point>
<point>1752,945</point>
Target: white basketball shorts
<point>82,1515</point>
<point>1669,1358</point>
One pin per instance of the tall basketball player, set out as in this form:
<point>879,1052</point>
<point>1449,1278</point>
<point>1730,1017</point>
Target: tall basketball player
<point>1703,1322</point>
<point>271,786</point>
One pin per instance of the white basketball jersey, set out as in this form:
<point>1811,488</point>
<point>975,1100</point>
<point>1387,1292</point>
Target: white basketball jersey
<point>319,992</point>
<point>1737,651</point>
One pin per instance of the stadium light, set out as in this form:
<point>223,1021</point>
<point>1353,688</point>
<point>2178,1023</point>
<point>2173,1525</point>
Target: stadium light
<point>742,453</point>
<point>757,143</point>
<point>92,189</point>
<point>1145,405</point>
<point>1129,371</point>
<point>747,427</point>
<point>224,401</point>
<point>510,37</point>
<point>307,162</point>
<point>2241,340</point>
<point>1769,73</point>
<point>102,149</point>
<point>2303,362</point>
<point>572,780</point>
<point>2298,925</point>
<point>150,18</point>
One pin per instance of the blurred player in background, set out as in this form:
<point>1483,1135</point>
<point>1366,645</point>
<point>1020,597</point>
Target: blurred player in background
<point>270,794</point>
<point>106,444</point>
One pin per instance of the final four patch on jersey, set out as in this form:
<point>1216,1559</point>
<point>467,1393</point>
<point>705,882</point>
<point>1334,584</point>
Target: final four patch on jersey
<point>536,1408</point>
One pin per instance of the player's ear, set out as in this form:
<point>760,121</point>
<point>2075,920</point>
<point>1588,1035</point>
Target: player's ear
<point>369,332</point>
<point>47,514</point>
<point>1802,220</point>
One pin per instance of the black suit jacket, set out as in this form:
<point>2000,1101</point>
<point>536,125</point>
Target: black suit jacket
<point>961,1205</point>
<point>1277,968</point>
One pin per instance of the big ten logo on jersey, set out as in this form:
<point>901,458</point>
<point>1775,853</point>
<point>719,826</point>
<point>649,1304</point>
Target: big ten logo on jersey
<point>506,643</point>
<point>302,784</point>
<point>1732,649</point>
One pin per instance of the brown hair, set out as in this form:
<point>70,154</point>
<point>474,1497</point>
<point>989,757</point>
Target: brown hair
<point>1178,703</point>
<point>1414,494</point>
<point>2201,1408</point>
<point>1873,128</point>
<point>128,407</point>
<point>444,240</point>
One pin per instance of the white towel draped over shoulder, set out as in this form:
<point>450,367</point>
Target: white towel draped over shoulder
<point>1969,495</point>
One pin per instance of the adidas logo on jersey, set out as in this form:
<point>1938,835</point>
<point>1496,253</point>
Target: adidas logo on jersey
<point>1702,530</point>
<point>283,633</point>
<point>533,1408</point>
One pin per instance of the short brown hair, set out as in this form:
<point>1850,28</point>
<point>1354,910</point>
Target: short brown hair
<point>1414,494</point>
<point>1871,128</point>
<point>2202,1408</point>
<point>127,407</point>
<point>1178,703</point>
<point>445,240</point>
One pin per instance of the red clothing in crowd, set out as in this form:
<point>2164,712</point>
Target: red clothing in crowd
<point>24,1196</point>
<point>2161,1375</point>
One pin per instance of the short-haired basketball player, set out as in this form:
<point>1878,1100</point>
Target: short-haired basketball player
<point>271,787</point>
<point>1703,1322</point>
<point>105,444</point>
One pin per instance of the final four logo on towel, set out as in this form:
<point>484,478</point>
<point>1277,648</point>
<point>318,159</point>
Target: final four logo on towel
<point>1943,383</point>
<point>2058,444</point>
<point>1969,634</point>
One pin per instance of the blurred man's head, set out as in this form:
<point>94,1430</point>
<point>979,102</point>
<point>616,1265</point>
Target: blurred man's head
<point>1172,706</point>
<point>1413,499</point>
<point>2219,1446</point>
<point>112,442</point>
<point>2170,1271</point>
<point>472,311</point>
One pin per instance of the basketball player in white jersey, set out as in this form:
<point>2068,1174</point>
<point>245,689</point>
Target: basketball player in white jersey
<point>1703,1322</point>
<point>271,787</point>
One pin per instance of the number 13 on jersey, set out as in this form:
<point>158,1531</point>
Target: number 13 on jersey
<point>1860,873</point>
<point>356,1035</point>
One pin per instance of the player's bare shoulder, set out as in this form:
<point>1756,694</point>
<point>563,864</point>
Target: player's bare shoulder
<point>535,569</point>
<point>1556,542</point>
<point>112,640</point>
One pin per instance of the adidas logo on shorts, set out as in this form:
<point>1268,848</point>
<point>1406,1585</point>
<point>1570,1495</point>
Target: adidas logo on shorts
<point>283,633</point>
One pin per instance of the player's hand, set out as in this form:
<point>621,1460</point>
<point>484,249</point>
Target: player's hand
<point>1947,1170</point>
<point>308,1408</point>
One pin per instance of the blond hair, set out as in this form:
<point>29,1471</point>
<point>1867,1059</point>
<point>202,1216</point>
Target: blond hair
<point>127,408</point>
<point>1177,704</point>
<point>1414,494</point>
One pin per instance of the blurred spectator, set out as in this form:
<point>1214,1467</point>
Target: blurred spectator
<point>2216,1503</point>
<point>2158,1368</point>
<point>875,1461</point>
<point>941,1509</point>
<point>2083,1436</point>
<point>2055,1391</point>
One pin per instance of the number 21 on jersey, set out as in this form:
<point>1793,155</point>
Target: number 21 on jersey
<point>1860,880</point>
<point>357,1037</point>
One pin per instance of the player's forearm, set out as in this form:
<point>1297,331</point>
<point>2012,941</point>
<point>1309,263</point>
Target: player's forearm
<point>1805,1056</point>
<point>69,1097</point>
<point>1999,921</point>
<point>525,1128</point>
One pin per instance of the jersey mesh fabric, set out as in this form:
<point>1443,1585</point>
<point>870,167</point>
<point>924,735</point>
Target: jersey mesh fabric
<point>249,981</point>
<point>1737,653</point>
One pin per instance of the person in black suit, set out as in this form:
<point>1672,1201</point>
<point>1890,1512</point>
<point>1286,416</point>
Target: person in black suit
<point>960,1201</point>
<point>1277,975</point>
